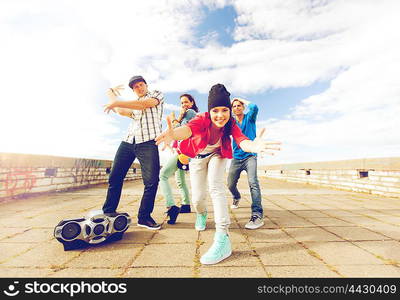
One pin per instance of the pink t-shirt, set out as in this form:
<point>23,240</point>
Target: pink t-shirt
<point>200,127</point>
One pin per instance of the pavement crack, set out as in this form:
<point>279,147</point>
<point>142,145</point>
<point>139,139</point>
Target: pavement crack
<point>196,259</point>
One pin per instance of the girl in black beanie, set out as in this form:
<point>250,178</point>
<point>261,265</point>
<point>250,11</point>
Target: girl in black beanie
<point>206,139</point>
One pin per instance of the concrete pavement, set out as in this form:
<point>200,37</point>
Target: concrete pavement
<point>308,232</point>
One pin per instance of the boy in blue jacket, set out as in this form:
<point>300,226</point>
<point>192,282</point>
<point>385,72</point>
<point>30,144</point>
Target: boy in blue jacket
<point>246,161</point>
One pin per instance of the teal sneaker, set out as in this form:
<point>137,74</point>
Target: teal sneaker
<point>201,220</point>
<point>220,249</point>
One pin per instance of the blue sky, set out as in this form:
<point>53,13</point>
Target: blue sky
<point>323,73</point>
<point>220,21</point>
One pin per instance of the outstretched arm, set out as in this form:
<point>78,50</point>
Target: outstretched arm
<point>112,94</point>
<point>115,103</point>
<point>259,145</point>
<point>179,133</point>
<point>133,104</point>
<point>253,111</point>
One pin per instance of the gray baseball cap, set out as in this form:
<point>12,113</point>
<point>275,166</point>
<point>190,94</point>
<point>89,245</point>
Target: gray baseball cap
<point>135,79</point>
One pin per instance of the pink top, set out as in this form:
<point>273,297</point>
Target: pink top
<point>200,127</point>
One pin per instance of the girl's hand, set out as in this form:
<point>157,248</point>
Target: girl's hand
<point>262,147</point>
<point>167,136</point>
<point>183,111</point>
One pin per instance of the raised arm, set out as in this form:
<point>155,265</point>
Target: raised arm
<point>125,107</point>
<point>259,145</point>
<point>112,94</point>
<point>133,104</point>
<point>179,133</point>
<point>125,112</point>
<point>253,111</point>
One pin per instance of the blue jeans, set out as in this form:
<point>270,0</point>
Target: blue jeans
<point>248,164</point>
<point>149,159</point>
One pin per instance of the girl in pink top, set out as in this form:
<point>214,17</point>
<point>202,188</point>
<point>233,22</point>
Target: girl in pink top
<point>206,139</point>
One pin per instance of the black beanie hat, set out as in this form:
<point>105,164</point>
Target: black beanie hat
<point>218,96</point>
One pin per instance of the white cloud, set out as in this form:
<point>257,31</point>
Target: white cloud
<point>292,20</point>
<point>356,116</point>
<point>61,56</point>
<point>172,107</point>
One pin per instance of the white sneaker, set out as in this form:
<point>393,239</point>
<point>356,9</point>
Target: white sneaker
<point>220,249</point>
<point>235,203</point>
<point>255,222</point>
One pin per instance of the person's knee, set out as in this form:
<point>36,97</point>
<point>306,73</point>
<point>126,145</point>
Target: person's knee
<point>253,183</point>
<point>233,179</point>
<point>151,183</point>
<point>150,177</point>
<point>231,185</point>
<point>163,175</point>
<point>216,188</point>
<point>115,178</point>
<point>180,184</point>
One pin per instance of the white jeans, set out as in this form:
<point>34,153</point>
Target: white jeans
<point>211,170</point>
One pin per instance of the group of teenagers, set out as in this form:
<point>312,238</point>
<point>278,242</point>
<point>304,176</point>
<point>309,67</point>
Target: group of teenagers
<point>202,146</point>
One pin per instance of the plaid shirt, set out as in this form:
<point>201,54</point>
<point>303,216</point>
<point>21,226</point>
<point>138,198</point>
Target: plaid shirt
<point>146,124</point>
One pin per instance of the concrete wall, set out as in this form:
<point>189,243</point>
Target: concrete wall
<point>27,174</point>
<point>379,176</point>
